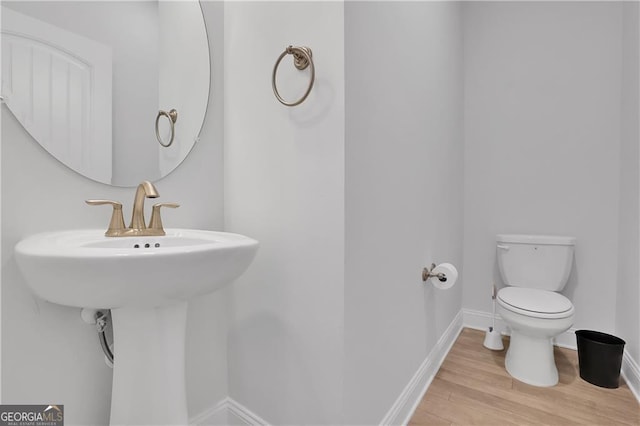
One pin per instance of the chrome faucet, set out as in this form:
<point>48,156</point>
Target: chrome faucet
<point>138,225</point>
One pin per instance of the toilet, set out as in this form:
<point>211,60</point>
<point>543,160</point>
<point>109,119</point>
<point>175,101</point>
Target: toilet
<point>534,268</point>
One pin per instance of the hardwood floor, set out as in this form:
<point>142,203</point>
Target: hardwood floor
<point>473,388</point>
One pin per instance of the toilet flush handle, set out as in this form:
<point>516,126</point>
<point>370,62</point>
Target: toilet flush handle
<point>503,247</point>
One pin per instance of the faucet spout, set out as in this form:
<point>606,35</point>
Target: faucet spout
<point>145,190</point>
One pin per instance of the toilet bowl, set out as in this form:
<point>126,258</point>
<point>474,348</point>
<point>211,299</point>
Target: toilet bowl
<point>534,268</point>
<point>533,326</point>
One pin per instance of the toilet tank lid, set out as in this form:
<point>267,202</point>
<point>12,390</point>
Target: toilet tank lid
<point>536,239</point>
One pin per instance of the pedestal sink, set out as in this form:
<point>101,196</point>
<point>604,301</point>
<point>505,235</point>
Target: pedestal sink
<point>146,282</point>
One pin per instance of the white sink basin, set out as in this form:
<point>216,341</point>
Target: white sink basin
<point>84,268</point>
<point>146,282</point>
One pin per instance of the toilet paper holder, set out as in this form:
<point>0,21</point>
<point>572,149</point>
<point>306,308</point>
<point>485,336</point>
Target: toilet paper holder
<point>426,274</point>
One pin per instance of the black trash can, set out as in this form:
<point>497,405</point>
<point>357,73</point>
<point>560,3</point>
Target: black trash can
<point>600,358</point>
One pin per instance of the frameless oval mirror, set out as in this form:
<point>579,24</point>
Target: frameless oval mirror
<point>94,82</point>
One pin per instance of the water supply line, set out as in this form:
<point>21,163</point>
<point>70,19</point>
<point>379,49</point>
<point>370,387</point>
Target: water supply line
<point>102,320</point>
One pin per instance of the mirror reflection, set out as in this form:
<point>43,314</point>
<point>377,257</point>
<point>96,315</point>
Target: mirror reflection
<point>93,82</point>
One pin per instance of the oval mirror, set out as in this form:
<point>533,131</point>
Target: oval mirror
<point>117,91</point>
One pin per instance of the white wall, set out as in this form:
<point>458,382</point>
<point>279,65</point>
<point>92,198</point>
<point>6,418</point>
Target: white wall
<point>628,297</point>
<point>200,178</point>
<point>48,353</point>
<point>542,141</point>
<point>284,186</point>
<point>404,181</point>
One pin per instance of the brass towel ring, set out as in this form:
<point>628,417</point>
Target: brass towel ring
<point>302,58</point>
<point>173,117</point>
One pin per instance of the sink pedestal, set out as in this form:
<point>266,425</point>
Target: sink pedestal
<point>149,366</point>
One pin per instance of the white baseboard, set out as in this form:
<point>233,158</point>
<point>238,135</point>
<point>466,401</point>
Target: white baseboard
<point>230,412</point>
<point>214,415</point>
<point>227,412</point>
<point>239,414</point>
<point>404,406</point>
<point>480,320</point>
<point>567,339</point>
<point>631,374</point>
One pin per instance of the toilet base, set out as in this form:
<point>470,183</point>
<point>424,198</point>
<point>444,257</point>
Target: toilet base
<point>530,360</point>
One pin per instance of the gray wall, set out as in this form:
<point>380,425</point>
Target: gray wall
<point>628,303</point>
<point>542,141</point>
<point>403,192</point>
<point>284,186</point>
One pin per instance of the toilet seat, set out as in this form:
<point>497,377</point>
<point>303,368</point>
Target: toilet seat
<point>535,303</point>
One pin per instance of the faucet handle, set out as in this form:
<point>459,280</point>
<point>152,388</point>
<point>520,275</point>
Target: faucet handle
<point>156,221</point>
<point>116,225</point>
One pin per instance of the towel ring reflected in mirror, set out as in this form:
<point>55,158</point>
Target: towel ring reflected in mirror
<point>302,58</point>
<point>173,117</point>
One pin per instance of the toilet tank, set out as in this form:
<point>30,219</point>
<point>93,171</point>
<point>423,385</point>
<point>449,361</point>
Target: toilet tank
<point>535,261</point>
